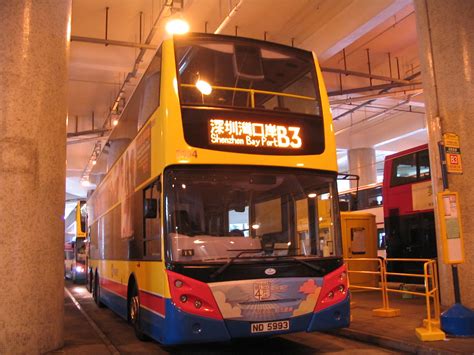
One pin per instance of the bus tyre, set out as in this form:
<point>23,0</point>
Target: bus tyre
<point>96,292</point>
<point>134,313</point>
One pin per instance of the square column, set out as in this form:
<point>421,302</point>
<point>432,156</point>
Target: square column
<point>33,110</point>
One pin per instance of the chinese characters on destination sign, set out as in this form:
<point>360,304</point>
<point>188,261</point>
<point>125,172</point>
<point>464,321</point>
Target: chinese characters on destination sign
<point>253,134</point>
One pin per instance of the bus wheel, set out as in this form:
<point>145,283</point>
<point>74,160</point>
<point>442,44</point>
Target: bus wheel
<point>96,292</point>
<point>134,313</point>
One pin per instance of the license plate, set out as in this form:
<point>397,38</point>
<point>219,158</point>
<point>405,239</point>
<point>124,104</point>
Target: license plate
<point>270,326</point>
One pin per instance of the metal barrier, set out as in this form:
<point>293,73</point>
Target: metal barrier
<point>431,325</point>
<point>385,311</point>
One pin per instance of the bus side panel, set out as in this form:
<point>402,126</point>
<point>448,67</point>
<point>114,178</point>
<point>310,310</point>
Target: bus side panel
<point>114,295</point>
<point>152,315</point>
<point>336,316</point>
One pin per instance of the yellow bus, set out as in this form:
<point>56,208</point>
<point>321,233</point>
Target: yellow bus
<point>74,243</point>
<point>205,223</point>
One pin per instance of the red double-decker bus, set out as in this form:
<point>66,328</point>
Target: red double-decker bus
<point>408,207</point>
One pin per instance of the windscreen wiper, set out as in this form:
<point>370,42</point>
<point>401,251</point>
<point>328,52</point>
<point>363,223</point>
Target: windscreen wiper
<point>255,251</point>
<point>231,260</point>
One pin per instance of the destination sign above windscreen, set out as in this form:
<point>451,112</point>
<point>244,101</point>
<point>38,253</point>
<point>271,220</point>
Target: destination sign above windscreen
<point>253,132</point>
<point>230,132</point>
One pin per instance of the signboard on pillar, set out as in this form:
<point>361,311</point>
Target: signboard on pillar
<point>451,229</point>
<point>452,151</point>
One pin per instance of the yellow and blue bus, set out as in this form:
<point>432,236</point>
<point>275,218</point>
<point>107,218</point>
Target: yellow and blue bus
<point>216,214</point>
<point>74,243</point>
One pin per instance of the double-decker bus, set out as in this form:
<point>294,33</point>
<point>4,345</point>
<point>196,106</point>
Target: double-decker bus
<point>408,207</point>
<point>368,199</point>
<point>74,243</point>
<point>217,215</point>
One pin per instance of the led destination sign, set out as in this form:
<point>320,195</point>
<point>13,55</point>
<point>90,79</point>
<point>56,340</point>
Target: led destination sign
<point>249,132</point>
<point>254,134</point>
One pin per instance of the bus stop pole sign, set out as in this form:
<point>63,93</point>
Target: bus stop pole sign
<point>452,151</point>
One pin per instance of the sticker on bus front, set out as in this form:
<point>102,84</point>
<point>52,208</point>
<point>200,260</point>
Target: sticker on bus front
<point>187,252</point>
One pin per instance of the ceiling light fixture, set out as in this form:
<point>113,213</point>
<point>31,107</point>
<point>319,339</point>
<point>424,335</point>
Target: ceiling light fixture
<point>204,87</point>
<point>177,26</point>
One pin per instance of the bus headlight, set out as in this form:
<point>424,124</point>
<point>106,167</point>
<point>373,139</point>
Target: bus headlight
<point>79,268</point>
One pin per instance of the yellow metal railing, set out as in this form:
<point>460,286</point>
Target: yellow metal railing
<point>252,92</point>
<point>385,311</point>
<point>431,325</point>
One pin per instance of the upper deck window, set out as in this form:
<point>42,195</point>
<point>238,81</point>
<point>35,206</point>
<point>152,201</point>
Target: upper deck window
<point>246,74</point>
<point>410,168</point>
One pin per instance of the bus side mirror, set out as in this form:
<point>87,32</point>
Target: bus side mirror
<point>150,208</point>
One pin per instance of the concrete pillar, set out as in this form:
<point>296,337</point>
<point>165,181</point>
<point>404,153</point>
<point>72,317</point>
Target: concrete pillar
<point>362,162</point>
<point>445,31</point>
<point>33,109</point>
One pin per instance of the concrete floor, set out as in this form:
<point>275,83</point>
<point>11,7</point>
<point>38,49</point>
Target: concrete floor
<point>114,336</point>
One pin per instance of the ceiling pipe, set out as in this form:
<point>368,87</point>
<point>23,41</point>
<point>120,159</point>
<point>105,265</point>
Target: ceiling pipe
<point>390,109</point>
<point>377,115</point>
<point>383,87</point>
<point>398,109</point>
<point>364,75</point>
<point>371,118</point>
<point>85,133</point>
<point>410,77</point>
<point>112,42</point>
<point>390,94</point>
<point>84,140</point>
<point>228,17</point>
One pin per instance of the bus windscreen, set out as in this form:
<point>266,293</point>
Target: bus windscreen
<point>246,74</point>
<point>217,213</point>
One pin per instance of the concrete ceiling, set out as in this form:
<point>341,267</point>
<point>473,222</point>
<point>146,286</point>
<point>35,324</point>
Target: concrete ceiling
<point>393,120</point>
